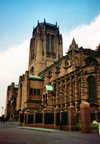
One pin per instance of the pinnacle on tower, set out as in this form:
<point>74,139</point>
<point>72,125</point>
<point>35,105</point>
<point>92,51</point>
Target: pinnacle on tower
<point>73,45</point>
<point>73,42</point>
<point>38,22</point>
<point>44,20</point>
<point>56,24</point>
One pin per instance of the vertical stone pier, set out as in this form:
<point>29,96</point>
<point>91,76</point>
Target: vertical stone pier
<point>85,117</point>
<point>71,118</point>
<point>56,110</point>
<point>43,118</point>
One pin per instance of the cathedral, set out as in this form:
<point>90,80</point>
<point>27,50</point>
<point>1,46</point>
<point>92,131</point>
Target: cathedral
<point>54,81</point>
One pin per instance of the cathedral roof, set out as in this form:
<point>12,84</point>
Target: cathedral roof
<point>35,77</point>
<point>49,87</point>
<point>16,86</point>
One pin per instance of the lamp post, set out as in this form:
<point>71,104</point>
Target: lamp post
<point>60,93</point>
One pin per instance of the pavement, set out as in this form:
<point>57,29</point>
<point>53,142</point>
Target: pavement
<point>38,129</point>
<point>12,133</point>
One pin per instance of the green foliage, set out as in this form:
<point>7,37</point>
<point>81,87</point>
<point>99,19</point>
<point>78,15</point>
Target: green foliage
<point>78,125</point>
<point>94,126</point>
<point>31,113</point>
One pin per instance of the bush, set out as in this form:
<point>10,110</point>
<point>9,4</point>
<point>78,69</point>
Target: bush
<point>78,125</point>
<point>94,126</point>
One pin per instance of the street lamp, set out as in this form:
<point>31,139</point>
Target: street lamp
<point>60,93</point>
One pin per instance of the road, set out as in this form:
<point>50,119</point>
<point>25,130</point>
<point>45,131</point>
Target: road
<point>13,134</point>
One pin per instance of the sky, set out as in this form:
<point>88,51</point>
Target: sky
<point>76,18</point>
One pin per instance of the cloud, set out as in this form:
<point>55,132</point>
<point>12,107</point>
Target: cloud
<point>13,63</point>
<point>0,42</point>
<point>85,35</point>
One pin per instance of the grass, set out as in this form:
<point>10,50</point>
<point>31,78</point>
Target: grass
<point>92,126</point>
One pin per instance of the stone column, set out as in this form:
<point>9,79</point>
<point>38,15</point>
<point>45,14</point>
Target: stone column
<point>61,95</point>
<point>20,116</point>
<point>98,88</point>
<point>26,89</point>
<point>43,118</point>
<point>83,88</point>
<point>76,93</point>
<point>56,110</point>
<point>66,94</point>
<point>42,99</point>
<point>71,118</point>
<point>57,95</point>
<point>35,112</point>
<point>71,92</point>
<point>25,117</point>
<point>53,98</point>
<point>49,100</point>
<point>85,117</point>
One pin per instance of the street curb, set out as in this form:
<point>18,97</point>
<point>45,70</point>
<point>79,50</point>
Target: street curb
<point>39,129</point>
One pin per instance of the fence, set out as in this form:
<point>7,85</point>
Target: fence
<point>49,118</point>
<point>39,118</point>
<point>30,118</point>
<point>64,116</point>
<point>93,117</point>
<point>99,116</point>
<point>21,118</point>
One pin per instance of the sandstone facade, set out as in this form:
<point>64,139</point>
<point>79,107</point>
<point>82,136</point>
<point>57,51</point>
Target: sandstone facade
<point>76,75</point>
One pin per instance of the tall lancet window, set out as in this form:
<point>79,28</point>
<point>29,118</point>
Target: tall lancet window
<point>20,99</point>
<point>47,43</point>
<point>92,87</point>
<point>52,43</point>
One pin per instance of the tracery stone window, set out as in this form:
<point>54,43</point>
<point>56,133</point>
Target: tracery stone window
<point>92,87</point>
<point>32,71</point>
<point>52,43</point>
<point>91,61</point>
<point>73,90</point>
<point>79,88</point>
<point>20,99</point>
<point>47,43</point>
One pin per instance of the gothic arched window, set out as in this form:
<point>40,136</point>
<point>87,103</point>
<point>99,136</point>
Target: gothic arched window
<point>32,71</point>
<point>92,87</point>
<point>47,43</point>
<point>20,100</point>
<point>91,61</point>
<point>52,43</point>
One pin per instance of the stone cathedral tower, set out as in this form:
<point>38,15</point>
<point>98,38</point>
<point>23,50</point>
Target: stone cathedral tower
<point>46,47</point>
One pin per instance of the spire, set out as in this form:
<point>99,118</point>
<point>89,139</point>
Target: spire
<point>44,20</point>
<point>38,22</point>
<point>56,24</point>
<point>73,41</point>
<point>73,45</point>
